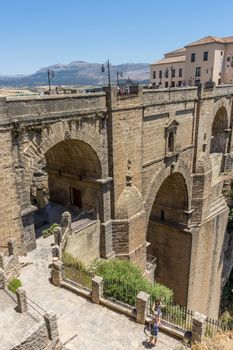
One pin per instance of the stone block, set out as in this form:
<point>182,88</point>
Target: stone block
<point>198,328</point>
<point>2,261</point>
<point>142,305</point>
<point>56,251</point>
<point>51,325</point>
<point>12,247</point>
<point>21,300</point>
<point>97,289</point>
<point>58,235</point>
<point>57,273</point>
<point>2,279</point>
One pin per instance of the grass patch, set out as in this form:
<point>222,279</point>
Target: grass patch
<point>49,231</point>
<point>14,284</point>
<point>76,271</point>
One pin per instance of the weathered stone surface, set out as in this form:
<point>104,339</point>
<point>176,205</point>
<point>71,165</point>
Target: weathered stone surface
<point>142,304</point>
<point>119,157</point>
<point>21,300</point>
<point>97,289</point>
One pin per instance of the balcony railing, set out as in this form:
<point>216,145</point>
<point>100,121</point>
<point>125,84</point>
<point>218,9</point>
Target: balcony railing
<point>150,262</point>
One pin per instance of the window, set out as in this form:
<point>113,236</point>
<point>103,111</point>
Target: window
<point>154,74</point>
<point>173,73</point>
<point>171,142</point>
<point>228,58</point>
<point>173,84</point>
<point>160,74</point>
<point>193,56</point>
<point>76,197</point>
<point>221,53</point>
<point>179,83</point>
<point>166,73</point>
<point>180,72</point>
<point>166,84</point>
<point>198,71</point>
<point>205,56</point>
<point>207,71</point>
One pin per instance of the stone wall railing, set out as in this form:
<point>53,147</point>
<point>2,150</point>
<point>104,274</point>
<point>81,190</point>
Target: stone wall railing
<point>43,335</point>
<point>140,313</point>
<point>9,265</point>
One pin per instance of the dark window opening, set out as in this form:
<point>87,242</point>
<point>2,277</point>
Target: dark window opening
<point>198,71</point>
<point>193,56</point>
<point>173,84</point>
<point>166,84</point>
<point>171,142</point>
<point>162,215</point>
<point>205,56</point>
<point>166,73</point>
<point>160,74</point>
<point>179,83</point>
<point>76,197</point>
<point>154,75</point>
<point>173,73</point>
<point>180,72</point>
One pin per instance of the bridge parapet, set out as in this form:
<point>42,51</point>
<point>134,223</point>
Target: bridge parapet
<point>28,107</point>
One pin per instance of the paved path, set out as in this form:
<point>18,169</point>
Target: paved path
<point>82,324</point>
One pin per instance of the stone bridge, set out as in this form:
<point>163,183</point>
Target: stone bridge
<point>150,166</point>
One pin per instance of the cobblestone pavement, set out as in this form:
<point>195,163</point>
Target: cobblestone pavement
<point>82,324</point>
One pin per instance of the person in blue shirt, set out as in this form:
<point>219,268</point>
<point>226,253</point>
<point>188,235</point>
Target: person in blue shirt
<point>154,330</point>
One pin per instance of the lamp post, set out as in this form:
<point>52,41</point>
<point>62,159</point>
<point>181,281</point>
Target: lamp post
<point>51,75</point>
<point>119,74</point>
<point>108,69</point>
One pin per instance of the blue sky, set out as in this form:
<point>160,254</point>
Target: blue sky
<point>36,34</point>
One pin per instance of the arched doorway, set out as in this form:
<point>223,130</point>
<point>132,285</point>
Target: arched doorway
<point>219,134</point>
<point>66,180</point>
<point>168,240</point>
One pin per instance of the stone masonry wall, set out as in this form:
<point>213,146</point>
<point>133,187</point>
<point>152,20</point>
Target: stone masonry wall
<point>137,129</point>
<point>11,225</point>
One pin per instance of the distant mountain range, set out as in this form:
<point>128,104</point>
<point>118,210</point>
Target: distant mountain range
<point>78,73</point>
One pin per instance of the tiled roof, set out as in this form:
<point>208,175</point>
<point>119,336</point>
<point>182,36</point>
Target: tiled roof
<point>168,60</point>
<point>175,52</point>
<point>228,39</point>
<point>207,40</point>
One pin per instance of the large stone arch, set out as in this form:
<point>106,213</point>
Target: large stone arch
<point>160,176</point>
<point>37,147</point>
<point>36,144</point>
<point>219,133</point>
<point>169,240</point>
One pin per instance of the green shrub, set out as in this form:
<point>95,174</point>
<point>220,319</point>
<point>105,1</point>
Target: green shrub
<point>123,281</point>
<point>14,284</point>
<point>49,231</point>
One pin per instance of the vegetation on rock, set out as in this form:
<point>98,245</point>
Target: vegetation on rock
<point>14,284</point>
<point>49,231</point>
<point>222,341</point>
